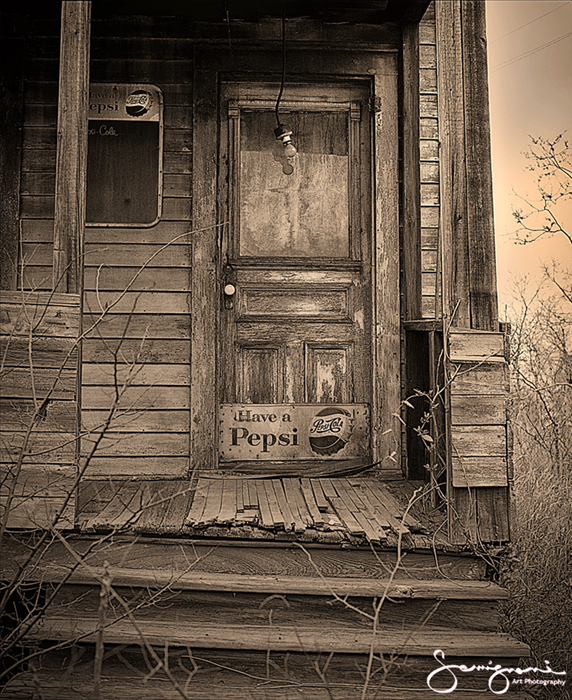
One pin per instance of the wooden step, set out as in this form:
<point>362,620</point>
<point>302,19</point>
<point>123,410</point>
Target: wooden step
<point>243,558</point>
<point>211,607</point>
<point>280,585</point>
<point>79,688</point>
<point>326,638</point>
<point>221,675</point>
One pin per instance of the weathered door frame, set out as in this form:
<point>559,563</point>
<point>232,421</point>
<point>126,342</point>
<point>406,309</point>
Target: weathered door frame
<point>381,67</point>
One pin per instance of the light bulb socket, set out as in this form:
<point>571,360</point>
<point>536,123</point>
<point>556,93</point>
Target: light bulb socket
<point>282,134</point>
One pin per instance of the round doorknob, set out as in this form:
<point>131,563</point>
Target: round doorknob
<point>229,289</point>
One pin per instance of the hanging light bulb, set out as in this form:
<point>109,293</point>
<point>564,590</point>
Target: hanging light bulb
<point>282,134</point>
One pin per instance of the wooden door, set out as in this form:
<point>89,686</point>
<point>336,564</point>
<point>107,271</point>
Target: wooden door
<point>295,303</point>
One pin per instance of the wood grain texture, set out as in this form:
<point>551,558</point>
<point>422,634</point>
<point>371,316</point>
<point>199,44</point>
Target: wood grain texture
<point>286,639</point>
<point>71,163</point>
<point>38,438</point>
<point>479,471</point>
<point>483,285</point>
<point>454,216</point>
<point>246,557</point>
<point>204,287</point>
<point>386,434</point>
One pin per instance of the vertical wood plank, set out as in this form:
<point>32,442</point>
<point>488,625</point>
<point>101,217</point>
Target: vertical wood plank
<point>482,267</point>
<point>228,505</point>
<point>295,500</point>
<point>289,520</point>
<point>385,282</point>
<point>411,234</point>
<point>198,504</point>
<point>275,510</point>
<point>266,520</point>
<point>213,504</point>
<point>454,219</point>
<point>467,242</point>
<point>204,295</point>
<point>321,500</point>
<point>71,158</point>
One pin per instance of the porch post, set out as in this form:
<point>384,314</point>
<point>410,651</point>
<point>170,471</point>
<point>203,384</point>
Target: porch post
<point>469,272</point>
<point>468,245</point>
<point>71,160</point>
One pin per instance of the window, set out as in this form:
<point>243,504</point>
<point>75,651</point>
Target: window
<point>125,143</point>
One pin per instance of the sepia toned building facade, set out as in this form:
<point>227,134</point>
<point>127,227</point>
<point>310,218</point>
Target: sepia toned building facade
<point>249,302</point>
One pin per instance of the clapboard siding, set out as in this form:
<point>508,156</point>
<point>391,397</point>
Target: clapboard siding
<point>139,338</point>
<point>429,160</point>
<point>479,440</point>
<point>38,433</point>
<point>153,264</point>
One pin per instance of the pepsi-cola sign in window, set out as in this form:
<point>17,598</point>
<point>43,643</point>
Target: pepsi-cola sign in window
<point>125,144</point>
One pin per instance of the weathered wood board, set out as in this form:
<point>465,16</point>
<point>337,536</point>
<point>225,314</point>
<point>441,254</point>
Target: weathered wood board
<point>479,444</point>
<point>38,433</point>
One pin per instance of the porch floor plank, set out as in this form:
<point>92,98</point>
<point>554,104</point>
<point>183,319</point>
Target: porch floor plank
<point>116,507</point>
<point>346,517</point>
<point>177,509</point>
<point>375,509</point>
<point>283,503</point>
<point>311,502</point>
<point>330,509</point>
<point>328,488</point>
<point>213,504</point>
<point>275,510</point>
<point>386,508</point>
<point>364,513</point>
<point>155,502</point>
<point>290,491</point>
<point>252,493</point>
<point>321,500</point>
<point>227,513</point>
<point>265,514</point>
<point>199,502</point>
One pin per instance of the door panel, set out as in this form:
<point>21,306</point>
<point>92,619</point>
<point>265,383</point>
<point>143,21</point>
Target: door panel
<point>297,329</point>
<point>307,210</point>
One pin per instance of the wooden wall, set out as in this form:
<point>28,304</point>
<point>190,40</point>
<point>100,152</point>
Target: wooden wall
<point>429,165</point>
<point>38,433</point>
<point>141,347</point>
<point>136,356</point>
<point>480,465</point>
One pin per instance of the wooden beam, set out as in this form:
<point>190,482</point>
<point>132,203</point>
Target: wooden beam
<point>386,430</point>
<point>204,294</point>
<point>482,265</point>
<point>454,237</point>
<point>71,159</point>
<point>467,243</point>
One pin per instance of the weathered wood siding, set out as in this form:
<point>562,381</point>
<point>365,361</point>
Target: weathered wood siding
<point>38,433</point>
<point>140,345</point>
<point>141,348</point>
<point>478,440</point>
<point>429,165</point>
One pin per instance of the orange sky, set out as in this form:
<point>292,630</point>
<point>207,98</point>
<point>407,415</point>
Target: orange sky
<point>529,94</point>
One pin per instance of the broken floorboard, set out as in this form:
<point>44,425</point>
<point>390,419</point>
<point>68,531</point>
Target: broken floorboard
<point>355,510</point>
